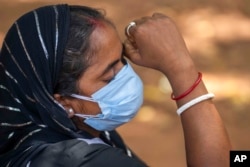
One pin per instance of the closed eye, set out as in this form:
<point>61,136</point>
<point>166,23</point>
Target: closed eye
<point>109,80</point>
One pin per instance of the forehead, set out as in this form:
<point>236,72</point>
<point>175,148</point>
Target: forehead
<point>104,34</point>
<point>105,40</point>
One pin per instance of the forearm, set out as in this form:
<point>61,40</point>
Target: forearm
<point>155,42</point>
<point>206,140</point>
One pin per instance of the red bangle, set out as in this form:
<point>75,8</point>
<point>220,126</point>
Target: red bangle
<point>189,90</point>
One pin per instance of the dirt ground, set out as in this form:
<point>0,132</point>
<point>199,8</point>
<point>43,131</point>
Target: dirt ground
<point>217,34</point>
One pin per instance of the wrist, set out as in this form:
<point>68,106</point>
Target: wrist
<point>182,80</point>
<point>188,91</point>
<point>183,74</point>
<point>180,63</point>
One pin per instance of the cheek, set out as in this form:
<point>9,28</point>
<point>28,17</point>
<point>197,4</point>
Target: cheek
<point>86,107</point>
<point>89,87</point>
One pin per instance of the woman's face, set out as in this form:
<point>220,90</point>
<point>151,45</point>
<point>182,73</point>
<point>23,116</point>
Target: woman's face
<point>106,63</point>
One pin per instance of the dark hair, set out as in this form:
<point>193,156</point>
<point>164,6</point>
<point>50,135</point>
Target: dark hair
<point>78,52</point>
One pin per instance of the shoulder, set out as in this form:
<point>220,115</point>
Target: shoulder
<point>76,153</point>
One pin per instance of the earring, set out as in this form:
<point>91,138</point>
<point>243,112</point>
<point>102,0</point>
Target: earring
<point>71,110</point>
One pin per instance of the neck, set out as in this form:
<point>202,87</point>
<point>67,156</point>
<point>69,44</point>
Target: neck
<point>84,127</point>
<point>93,132</point>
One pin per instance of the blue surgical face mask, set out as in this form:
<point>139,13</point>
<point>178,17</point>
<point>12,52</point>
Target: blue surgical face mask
<point>119,100</point>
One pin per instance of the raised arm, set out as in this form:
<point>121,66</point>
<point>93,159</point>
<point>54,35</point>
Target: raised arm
<point>155,42</point>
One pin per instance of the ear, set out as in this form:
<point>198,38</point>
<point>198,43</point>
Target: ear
<point>58,98</point>
<point>66,103</point>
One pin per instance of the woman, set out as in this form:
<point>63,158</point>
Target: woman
<point>65,86</point>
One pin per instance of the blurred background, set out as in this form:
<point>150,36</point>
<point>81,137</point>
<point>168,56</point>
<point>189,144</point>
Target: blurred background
<point>217,34</point>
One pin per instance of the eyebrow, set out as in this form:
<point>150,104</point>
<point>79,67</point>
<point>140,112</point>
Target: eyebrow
<point>111,65</point>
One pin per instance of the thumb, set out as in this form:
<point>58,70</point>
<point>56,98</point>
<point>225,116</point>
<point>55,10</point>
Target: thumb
<point>131,51</point>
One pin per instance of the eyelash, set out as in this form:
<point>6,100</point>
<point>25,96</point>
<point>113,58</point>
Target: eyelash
<point>109,80</point>
<point>123,60</point>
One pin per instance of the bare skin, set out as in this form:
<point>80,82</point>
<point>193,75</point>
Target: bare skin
<point>155,42</point>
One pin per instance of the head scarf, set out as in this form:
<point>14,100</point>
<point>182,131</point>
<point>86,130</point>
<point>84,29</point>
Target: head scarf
<point>30,61</point>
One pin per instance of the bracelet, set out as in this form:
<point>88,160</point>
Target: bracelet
<point>189,90</point>
<point>194,102</point>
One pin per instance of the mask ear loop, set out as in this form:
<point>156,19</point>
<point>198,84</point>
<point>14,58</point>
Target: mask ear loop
<point>83,97</point>
<point>86,116</point>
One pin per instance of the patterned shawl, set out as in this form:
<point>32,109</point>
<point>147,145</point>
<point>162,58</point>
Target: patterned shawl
<point>30,61</point>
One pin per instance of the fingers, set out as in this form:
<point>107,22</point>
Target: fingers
<point>130,29</point>
<point>131,51</point>
<point>149,40</point>
<point>158,15</point>
<point>127,30</point>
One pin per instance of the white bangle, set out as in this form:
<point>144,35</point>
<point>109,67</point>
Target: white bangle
<point>193,102</point>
